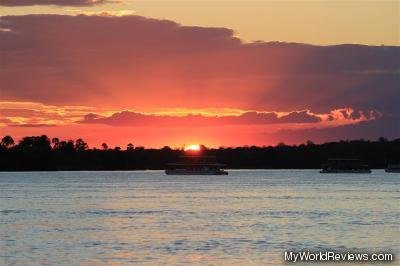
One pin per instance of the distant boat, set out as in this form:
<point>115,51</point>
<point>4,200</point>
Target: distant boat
<point>393,168</point>
<point>196,165</point>
<point>350,166</point>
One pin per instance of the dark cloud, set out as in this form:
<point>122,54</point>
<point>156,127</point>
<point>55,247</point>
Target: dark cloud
<point>5,120</point>
<point>53,2</point>
<point>303,116</point>
<point>388,127</point>
<point>31,114</point>
<point>30,125</point>
<point>127,118</point>
<point>17,112</point>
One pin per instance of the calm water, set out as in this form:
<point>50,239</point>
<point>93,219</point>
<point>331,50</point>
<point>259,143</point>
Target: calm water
<point>245,218</point>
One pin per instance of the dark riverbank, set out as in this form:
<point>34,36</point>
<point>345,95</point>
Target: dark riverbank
<point>42,154</point>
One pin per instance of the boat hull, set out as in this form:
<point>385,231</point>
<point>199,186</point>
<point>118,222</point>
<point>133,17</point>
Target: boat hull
<point>339,171</point>
<point>392,170</point>
<point>194,172</point>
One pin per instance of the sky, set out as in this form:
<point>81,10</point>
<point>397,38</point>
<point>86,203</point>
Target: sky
<point>218,73</point>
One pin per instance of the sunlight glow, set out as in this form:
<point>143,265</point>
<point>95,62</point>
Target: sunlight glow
<point>193,148</point>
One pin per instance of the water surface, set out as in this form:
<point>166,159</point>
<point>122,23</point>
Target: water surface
<point>246,218</point>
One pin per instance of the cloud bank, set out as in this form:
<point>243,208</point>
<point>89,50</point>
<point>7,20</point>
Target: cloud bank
<point>136,63</point>
<point>39,115</point>
<point>128,118</point>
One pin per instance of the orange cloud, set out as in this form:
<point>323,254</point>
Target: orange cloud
<point>36,114</point>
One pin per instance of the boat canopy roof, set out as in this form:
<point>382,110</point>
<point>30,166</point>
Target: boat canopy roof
<point>197,157</point>
<point>343,159</point>
<point>197,161</point>
<point>196,164</point>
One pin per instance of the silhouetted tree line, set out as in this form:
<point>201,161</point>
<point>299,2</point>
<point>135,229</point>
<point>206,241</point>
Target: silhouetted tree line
<point>39,153</point>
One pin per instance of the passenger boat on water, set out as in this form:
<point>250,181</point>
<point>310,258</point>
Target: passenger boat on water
<point>350,166</point>
<point>195,165</point>
<point>393,168</point>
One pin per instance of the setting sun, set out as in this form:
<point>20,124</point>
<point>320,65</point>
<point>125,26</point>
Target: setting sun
<point>193,148</point>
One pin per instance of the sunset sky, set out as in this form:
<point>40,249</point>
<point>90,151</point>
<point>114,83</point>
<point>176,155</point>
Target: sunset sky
<point>218,73</point>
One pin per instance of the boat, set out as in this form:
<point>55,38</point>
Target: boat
<point>195,165</point>
<point>393,168</point>
<point>347,166</point>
